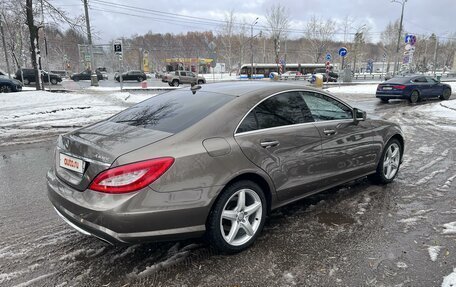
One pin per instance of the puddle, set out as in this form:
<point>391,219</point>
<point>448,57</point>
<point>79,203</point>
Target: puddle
<point>332,218</point>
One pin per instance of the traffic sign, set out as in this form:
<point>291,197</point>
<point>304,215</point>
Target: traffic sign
<point>328,57</point>
<point>343,52</point>
<point>410,39</point>
<point>118,47</point>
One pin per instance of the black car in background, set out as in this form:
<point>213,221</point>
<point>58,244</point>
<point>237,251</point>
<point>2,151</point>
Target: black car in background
<point>412,88</point>
<point>131,76</point>
<point>29,76</point>
<point>9,85</point>
<point>86,75</point>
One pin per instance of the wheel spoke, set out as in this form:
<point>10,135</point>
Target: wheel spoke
<point>388,171</point>
<point>247,227</point>
<point>395,153</point>
<point>233,232</point>
<point>229,214</point>
<point>241,200</point>
<point>252,208</point>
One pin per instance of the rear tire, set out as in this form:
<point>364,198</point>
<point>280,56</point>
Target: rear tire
<point>414,97</point>
<point>237,217</point>
<point>384,100</point>
<point>175,83</point>
<point>140,79</point>
<point>76,79</point>
<point>26,82</point>
<point>389,164</point>
<point>5,89</point>
<point>54,81</point>
<point>200,82</point>
<point>446,94</point>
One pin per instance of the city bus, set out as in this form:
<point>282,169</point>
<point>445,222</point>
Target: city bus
<point>263,70</point>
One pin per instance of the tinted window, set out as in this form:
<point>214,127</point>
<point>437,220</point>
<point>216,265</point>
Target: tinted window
<point>420,80</point>
<point>324,108</point>
<point>400,80</point>
<point>431,80</point>
<point>280,110</point>
<point>183,74</point>
<point>172,112</point>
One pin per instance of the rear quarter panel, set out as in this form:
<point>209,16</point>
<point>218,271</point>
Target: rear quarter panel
<point>383,132</point>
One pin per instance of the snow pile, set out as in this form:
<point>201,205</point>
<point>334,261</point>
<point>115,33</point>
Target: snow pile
<point>449,228</point>
<point>444,109</point>
<point>450,280</point>
<point>434,252</point>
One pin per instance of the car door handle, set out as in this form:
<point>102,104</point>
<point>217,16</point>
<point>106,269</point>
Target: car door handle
<point>329,132</point>
<point>269,143</point>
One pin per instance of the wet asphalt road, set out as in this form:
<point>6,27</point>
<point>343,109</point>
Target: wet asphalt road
<point>355,235</point>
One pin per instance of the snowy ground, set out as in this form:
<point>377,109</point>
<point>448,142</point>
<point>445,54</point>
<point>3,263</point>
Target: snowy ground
<point>33,115</point>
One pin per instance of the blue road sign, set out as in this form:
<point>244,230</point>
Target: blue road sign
<point>328,57</point>
<point>343,52</point>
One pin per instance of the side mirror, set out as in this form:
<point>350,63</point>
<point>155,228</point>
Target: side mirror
<point>358,115</point>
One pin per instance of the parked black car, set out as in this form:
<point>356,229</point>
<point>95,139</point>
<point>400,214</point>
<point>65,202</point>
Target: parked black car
<point>131,76</point>
<point>9,85</point>
<point>85,75</point>
<point>29,76</point>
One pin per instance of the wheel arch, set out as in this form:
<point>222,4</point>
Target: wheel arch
<point>400,138</point>
<point>254,177</point>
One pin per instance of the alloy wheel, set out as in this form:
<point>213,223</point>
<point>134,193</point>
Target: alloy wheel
<point>391,161</point>
<point>241,217</point>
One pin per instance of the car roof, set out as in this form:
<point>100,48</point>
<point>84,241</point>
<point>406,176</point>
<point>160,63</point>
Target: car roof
<point>253,87</point>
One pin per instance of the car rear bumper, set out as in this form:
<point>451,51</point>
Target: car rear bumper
<point>391,95</point>
<point>127,218</point>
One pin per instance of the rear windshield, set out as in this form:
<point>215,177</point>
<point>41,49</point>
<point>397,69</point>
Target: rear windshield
<point>400,80</point>
<point>172,112</point>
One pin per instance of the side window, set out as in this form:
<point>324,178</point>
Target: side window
<point>420,80</point>
<point>431,80</point>
<point>324,108</point>
<point>190,74</point>
<point>183,74</point>
<point>280,110</point>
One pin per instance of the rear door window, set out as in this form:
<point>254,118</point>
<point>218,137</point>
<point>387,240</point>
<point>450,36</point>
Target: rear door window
<point>280,110</point>
<point>172,112</point>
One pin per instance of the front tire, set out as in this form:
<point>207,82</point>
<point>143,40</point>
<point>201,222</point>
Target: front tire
<point>200,82</point>
<point>384,100</point>
<point>175,83</point>
<point>237,217</point>
<point>54,81</point>
<point>414,97</point>
<point>446,94</point>
<point>26,82</point>
<point>389,164</point>
<point>140,79</point>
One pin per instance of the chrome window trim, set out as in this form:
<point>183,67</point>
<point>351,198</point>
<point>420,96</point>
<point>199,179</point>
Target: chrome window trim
<point>293,125</point>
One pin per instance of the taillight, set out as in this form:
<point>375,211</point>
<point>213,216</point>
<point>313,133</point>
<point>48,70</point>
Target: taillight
<point>399,87</point>
<point>131,177</point>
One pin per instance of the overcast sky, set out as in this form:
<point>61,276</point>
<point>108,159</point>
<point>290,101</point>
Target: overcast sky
<point>109,22</point>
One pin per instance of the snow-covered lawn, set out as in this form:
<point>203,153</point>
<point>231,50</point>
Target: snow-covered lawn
<point>35,114</point>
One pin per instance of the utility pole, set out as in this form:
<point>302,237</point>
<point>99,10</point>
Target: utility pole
<point>396,61</point>
<point>435,54</point>
<point>251,45</point>
<point>94,78</point>
<point>4,48</point>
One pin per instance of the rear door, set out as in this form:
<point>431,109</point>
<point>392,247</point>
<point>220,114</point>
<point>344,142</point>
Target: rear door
<point>346,145</point>
<point>278,136</point>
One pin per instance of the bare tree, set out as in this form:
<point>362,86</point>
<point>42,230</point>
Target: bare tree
<point>278,23</point>
<point>389,39</point>
<point>319,33</point>
<point>226,38</point>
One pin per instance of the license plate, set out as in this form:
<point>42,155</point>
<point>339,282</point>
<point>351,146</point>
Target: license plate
<point>387,88</point>
<point>71,163</point>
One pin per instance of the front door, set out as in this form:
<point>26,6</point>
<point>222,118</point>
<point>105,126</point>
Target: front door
<point>346,144</point>
<point>279,136</point>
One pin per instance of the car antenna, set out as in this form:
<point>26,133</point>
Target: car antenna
<point>195,88</point>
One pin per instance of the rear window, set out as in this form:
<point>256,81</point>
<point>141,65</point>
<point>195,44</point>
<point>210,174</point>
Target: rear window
<point>400,80</point>
<point>172,112</point>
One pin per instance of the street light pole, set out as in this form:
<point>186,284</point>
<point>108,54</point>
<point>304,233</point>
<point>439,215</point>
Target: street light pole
<point>396,61</point>
<point>94,77</point>
<point>251,46</point>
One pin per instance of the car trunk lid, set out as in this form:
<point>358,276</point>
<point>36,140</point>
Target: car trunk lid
<point>97,146</point>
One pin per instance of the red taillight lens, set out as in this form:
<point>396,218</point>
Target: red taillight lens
<point>399,87</point>
<point>131,177</point>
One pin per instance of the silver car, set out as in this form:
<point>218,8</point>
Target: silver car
<point>214,159</point>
